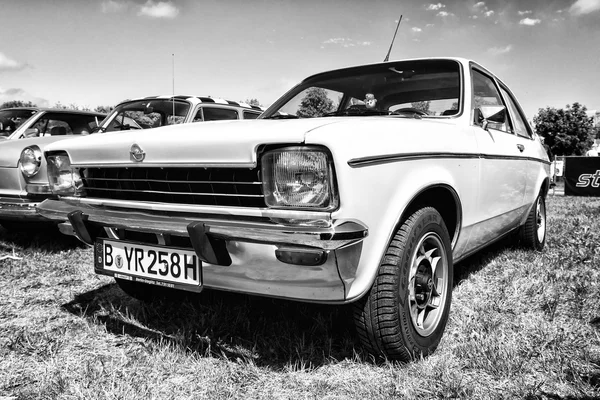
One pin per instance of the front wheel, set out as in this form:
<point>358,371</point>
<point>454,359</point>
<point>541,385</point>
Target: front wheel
<point>533,233</point>
<point>405,313</point>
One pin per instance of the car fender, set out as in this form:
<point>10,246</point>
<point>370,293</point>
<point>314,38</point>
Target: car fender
<point>404,182</point>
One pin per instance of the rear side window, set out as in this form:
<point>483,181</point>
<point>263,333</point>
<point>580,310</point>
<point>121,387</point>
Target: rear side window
<point>519,124</point>
<point>217,114</point>
<point>250,115</point>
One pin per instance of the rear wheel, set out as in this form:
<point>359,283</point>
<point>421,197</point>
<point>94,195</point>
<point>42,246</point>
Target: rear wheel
<point>405,313</point>
<point>533,233</point>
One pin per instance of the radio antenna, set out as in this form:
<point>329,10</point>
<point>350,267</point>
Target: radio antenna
<point>387,57</point>
<point>173,98</point>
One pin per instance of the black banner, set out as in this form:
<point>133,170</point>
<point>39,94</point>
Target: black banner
<point>582,176</point>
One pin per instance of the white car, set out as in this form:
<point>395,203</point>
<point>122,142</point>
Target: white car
<point>363,184</point>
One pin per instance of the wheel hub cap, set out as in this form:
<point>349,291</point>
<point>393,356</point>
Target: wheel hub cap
<point>428,281</point>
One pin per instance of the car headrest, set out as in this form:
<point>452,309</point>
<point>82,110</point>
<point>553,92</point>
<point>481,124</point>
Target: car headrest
<point>58,130</point>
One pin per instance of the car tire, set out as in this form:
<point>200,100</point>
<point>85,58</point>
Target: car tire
<point>532,234</point>
<point>404,315</point>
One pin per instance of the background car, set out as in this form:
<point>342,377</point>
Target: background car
<point>23,181</point>
<point>157,111</point>
<point>362,185</point>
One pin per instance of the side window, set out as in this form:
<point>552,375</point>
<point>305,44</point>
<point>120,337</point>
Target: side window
<point>217,114</point>
<point>485,93</point>
<point>52,127</point>
<point>198,117</point>
<point>250,115</point>
<point>520,126</point>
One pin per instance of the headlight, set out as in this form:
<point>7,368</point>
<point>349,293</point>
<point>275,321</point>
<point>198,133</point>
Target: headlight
<point>30,161</point>
<point>62,177</point>
<point>300,178</point>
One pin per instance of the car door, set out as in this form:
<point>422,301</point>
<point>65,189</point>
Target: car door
<point>530,148</point>
<point>502,164</point>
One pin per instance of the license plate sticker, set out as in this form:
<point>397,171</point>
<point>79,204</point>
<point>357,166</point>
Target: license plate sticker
<point>177,266</point>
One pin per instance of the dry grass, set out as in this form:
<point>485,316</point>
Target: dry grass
<point>523,325</point>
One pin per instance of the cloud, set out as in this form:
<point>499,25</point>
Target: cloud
<point>111,6</point>
<point>496,51</point>
<point>581,7</point>
<point>8,64</point>
<point>480,4</point>
<point>525,12</point>
<point>473,16</point>
<point>344,42</point>
<point>529,21</point>
<point>416,29</point>
<point>429,25</point>
<point>161,9</point>
<point>489,13</point>
<point>21,94</point>
<point>444,14</point>
<point>435,7</point>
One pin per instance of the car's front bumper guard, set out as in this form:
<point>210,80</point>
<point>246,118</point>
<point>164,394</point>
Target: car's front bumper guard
<point>209,234</point>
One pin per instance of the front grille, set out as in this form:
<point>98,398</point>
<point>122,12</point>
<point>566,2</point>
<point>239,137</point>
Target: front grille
<point>237,187</point>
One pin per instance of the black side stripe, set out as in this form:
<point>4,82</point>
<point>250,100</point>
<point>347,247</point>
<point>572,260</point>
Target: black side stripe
<point>391,158</point>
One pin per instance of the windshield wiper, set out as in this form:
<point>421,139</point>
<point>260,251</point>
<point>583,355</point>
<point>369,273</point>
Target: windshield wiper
<point>351,112</point>
<point>283,116</point>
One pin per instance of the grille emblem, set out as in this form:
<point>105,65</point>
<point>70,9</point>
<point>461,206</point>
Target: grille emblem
<point>137,154</point>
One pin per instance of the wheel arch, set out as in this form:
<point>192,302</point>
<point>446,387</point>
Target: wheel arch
<point>445,200</point>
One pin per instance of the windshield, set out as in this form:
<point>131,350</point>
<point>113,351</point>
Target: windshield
<point>146,114</point>
<point>426,88</point>
<point>10,120</point>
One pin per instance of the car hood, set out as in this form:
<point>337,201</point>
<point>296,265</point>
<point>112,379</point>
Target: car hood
<point>10,150</point>
<point>207,143</point>
<point>228,142</point>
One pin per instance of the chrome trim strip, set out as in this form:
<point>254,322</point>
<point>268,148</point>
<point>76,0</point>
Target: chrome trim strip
<point>174,193</point>
<point>167,165</point>
<point>390,158</point>
<point>9,192</point>
<point>201,209</point>
<point>172,181</point>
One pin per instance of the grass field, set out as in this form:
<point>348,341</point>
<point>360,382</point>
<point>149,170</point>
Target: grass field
<point>522,325</point>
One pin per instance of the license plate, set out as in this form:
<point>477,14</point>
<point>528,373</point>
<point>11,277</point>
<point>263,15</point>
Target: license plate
<point>157,265</point>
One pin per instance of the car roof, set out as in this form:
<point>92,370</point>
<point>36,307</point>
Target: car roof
<point>201,99</point>
<point>465,62</point>
<point>56,110</point>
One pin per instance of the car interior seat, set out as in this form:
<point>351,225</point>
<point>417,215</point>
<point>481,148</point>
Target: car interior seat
<point>58,131</point>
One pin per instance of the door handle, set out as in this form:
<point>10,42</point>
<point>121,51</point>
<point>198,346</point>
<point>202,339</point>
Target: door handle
<point>521,147</point>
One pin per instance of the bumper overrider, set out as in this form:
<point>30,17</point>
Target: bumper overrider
<point>291,254</point>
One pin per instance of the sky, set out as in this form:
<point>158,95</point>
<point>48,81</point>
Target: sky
<point>101,52</point>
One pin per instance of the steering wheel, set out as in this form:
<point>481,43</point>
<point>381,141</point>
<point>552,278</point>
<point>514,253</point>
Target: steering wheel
<point>407,110</point>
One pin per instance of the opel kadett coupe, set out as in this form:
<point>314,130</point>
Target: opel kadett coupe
<point>23,180</point>
<point>364,184</point>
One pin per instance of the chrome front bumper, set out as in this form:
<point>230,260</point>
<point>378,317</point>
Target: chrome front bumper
<point>19,209</point>
<point>247,249</point>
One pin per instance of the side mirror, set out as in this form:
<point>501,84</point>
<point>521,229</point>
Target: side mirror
<point>486,114</point>
<point>31,132</point>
